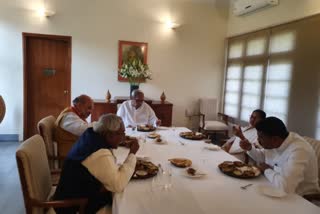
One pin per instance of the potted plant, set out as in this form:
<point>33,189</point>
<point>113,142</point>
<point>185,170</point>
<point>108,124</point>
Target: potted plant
<point>136,72</point>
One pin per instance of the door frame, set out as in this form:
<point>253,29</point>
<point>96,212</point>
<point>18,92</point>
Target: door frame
<point>25,37</point>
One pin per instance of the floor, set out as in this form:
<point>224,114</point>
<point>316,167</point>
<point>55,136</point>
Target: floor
<point>11,199</point>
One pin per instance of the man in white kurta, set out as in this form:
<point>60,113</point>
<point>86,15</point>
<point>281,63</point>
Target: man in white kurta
<point>287,160</point>
<point>249,132</point>
<point>136,112</point>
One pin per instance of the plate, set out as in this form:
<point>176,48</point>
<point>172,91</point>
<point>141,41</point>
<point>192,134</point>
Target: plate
<point>181,162</point>
<point>143,157</point>
<point>198,174</point>
<point>212,147</point>
<point>153,135</point>
<point>271,191</point>
<point>192,135</point>
<point>146,128</point>
<point>238,169</point>
<point>144,169</point>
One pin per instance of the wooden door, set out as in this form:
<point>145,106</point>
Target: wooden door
<point>47,77</point>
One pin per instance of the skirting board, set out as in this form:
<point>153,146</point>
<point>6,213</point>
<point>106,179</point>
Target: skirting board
<point>9,137</point>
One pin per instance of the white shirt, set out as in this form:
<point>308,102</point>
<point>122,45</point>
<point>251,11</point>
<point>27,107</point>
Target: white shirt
<point>72,123</point>
<point>249,133</point>
<point>102,165</point>
<point>133,117</point>
<point>295,168</point>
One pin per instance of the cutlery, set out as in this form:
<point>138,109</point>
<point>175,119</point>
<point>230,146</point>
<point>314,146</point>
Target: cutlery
<point>159,165</point>
<point>182,143</point>
<point>246,186</point>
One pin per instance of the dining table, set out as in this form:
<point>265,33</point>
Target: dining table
<point>213,192</point>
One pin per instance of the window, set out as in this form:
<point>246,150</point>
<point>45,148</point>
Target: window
<point>278,70</point>
<point>261,77</point>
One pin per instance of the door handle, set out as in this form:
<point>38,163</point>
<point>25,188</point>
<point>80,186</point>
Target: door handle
<point>66,92</point>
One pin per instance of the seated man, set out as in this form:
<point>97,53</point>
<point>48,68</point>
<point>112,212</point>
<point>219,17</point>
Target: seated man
<point>249,132</point>
<point>71,123</point>
<point>136,112</point>
<point>90,169</point>
<point>287,160</point>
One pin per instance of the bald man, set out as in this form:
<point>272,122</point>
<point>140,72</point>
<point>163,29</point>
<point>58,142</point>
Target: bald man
<point>71,123</point>
<point>136,112</point>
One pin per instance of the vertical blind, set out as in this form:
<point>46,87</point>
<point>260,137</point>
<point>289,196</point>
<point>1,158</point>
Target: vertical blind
<point>277,70</point>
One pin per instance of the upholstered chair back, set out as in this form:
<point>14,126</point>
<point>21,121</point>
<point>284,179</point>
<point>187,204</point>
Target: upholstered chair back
<point>34,172</point>
<point>209,107</point>
<point>46,129</point>
<point>316,146</point>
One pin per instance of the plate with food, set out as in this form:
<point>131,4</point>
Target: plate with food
<point>145,169</point>
<point>153,135</point>
<point>193,173</point>
<point>146,128</point>
<point>127,141</point>
<point>239,169</point>
<point>181,162</point>
<point>192,135</point>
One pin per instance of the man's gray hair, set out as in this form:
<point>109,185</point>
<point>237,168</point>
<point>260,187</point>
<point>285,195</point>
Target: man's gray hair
<point>107,123</point>
<point>136,92</point>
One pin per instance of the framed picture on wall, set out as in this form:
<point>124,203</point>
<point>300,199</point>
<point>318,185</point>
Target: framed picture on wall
<point>131,50</point>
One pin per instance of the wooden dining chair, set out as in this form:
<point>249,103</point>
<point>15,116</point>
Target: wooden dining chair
<point>35,178</point>
<point>211,121</point>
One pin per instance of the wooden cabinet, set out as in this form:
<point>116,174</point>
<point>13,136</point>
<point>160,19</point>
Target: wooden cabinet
<point>163,110</point>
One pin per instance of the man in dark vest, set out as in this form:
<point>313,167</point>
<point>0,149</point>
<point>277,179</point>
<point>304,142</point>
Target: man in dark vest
<point>90,169</point>
<point>71,123</point>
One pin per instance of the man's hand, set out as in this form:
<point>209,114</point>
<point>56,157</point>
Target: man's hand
<point>238,132</point>
<point>264,166</point>
<point>245,145</point>
<point>134,146</point>
<point>227,146</point>
<point>158,123</point>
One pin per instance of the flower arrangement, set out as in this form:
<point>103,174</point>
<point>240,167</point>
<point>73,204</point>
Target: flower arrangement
<point>135,71</point>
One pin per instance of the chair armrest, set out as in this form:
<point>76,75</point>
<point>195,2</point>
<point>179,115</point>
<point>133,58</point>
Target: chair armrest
<point>80,202</point>
<point>203,119</point>
<point>225,118</point>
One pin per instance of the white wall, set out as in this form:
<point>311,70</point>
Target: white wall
<point>286,11</point>
<point>187,63</point>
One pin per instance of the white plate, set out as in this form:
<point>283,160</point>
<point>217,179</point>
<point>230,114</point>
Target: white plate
<point>198,174</point>
<point>212,147</point>
<point>271,191</point>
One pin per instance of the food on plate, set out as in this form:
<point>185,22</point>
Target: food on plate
<point>159,140</point>
<point>145,169</point>
<point>239,169</point>
<point>238,163</point>
<point>153,135</point>
<point>181,162</point>
<point>146,128</point>
<point>192,135</point>
<point>191,171</point>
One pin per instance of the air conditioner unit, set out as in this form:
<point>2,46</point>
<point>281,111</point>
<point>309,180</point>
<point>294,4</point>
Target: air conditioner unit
<point>241,7</point>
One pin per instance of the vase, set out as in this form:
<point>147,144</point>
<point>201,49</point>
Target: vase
<point>163,97</point>
<point>133,87</point>
<point>108,97</point>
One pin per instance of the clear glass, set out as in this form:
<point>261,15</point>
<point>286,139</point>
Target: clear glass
<point>163,181</point>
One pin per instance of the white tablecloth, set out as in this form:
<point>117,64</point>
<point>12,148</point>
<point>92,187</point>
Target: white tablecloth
<point>213,193</point>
